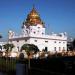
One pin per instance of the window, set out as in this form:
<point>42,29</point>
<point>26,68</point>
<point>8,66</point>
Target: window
<point>27,31</point>
<point>34,32</point>
<point>38,31</point>
<point>35,40</point>
<point>25,40</point>
<point>31,29</point>
<point>46,49</point>
<point>11,41</point>
<point>63,48</point>
<point>59,48</point>
<point>55,48</point>
<point>18,48</point>
<point>17,40</point>
<point>59,42</point>
<point>42,33</point>
<point>63,42</point>
<point>46,41</point>
<point>38,27</point>
<point>54,41</point>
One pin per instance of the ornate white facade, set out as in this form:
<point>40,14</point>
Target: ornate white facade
<point>33,32</point>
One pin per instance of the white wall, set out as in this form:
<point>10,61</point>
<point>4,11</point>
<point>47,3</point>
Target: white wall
<point>19,43</point>
<point>42,43</point>
<point>2,43</point>
<point>61,40</point>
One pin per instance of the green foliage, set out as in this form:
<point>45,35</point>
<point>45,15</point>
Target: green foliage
<point>29,47</point>
<point>8,47</point>
<point>73,43</point>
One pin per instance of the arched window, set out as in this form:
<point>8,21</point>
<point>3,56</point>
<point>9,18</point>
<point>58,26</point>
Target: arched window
<point>59,48</point>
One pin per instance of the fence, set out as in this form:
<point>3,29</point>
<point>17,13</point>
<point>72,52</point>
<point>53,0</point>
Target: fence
<point>48,66</point>
<point>8,65</point>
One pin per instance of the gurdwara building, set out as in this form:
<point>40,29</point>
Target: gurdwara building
<point>33,32</point>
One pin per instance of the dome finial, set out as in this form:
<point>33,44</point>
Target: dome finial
<point>33,6</point>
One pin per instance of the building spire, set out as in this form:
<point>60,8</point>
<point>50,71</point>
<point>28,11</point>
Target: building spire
<point>33,6</point>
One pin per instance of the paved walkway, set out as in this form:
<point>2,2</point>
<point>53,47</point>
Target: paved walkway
<point>1,73</point>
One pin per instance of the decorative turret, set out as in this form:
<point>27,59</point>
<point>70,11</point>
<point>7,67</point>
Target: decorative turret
<point>33,18</point>
<point>11,34</point>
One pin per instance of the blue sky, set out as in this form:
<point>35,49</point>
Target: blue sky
<point>58,15</point>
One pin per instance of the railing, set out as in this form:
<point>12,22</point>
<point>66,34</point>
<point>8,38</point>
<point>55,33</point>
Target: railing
<point>47,66</point>
<point>8,65</point>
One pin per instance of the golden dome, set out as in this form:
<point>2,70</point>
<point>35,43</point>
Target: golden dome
<point>33,18</point>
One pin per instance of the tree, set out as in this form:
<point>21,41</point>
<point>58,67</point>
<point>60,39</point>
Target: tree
<point>69,46</point>
<point>29,48</point>
<point>73,43</point>
<point>8,47</point>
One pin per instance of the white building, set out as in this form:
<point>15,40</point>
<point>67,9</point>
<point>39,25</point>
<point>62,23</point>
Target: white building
<point>1,45</point>
<point>33,32</point>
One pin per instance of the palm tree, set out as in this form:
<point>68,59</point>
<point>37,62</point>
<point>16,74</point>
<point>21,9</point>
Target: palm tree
<point>29,48</point>
<point>8,48</point>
